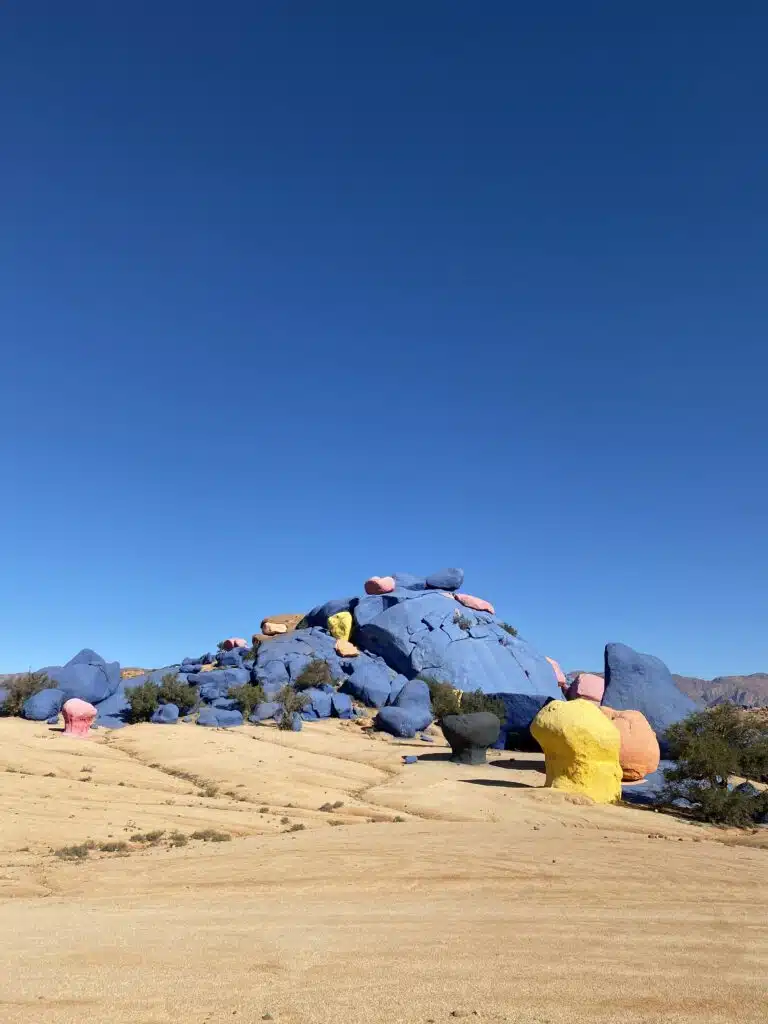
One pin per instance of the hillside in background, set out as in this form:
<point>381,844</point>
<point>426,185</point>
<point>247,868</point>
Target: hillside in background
<point>749,691</point>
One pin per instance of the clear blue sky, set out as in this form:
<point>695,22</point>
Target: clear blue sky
<point>294,293</point>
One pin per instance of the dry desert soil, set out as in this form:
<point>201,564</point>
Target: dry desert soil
<point>430,892</point>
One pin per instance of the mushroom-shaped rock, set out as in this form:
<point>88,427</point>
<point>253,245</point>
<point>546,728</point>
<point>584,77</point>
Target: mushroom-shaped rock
<point>562,682</point>
<point>470,736</point>
<point>446,579</point>
<point>79,716</point>
<point>639,754</point>
<point>232,642</point>
<point>477,604</point>
<point>586,685</point>
<point>340,625</point>
<point>380,585</point>
<point>581,749</point>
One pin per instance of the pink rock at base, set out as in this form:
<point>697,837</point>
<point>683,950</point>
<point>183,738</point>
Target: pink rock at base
<point>78,717</point>
<point>232,642</point>
<point>588,686</point>
<point>379,585</point>
<point>477,604</point>
<point>562,682</point>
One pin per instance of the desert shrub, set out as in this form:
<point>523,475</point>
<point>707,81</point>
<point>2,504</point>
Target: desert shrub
<point>173,691</point>
<point>297,828</point>
<point>21,687</point>
<point>115,847</point>
<point>143,700</point>
<point>211,835</point>
<point>177,838</point>
<point>509,629</point>
<point>476,700</point>
<point>709,747</point>
<point>444,698</point>
<point>79,852</point>
<point>463,622</point>
<point>316,673</point>
<point>152,838</point>
<point>291,702</point>
<point>247,696</point>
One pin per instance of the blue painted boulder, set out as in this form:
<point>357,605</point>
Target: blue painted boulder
<point>414,698</point>
<point>642,682</point>
<point>319,616</point>
<point>219,718</point>
<point>296,722</point>
<point>114,712</point>
<point>87,676</point>
<point>319,704</point>
<point>217,683</point>
<point>264,711</point>
<point>341,705</point>
<point>521,709</point>
<point>166,714</point>
<point>400,722</point>
<point>446,579</point>
<point>282,659</point>
<point>648,792</point>
<point>43,705</point>
<point>369,680</point>
<point>428,634</point>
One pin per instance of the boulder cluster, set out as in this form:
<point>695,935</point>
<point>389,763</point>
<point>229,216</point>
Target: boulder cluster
<point>381,649</point>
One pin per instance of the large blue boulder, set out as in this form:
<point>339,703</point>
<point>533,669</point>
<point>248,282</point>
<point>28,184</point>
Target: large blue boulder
<point>521,709</point>
<point>217,683</point>
<point>87,676</point>
<point>642,682</point>
<point>318,705</point>
<point>319,616</point>
<point>166,714</point>
<point>407,581</point>
<point>446,579</point>
<point>43,705</point>
<point>114,712</point>
<point>428,634</point>
<point>369,680</point>
<point>219,718</point>
<point>400,722</point>
<point>648,792</point>
<point>282,659</point>
<point>414,698</point>
<point>233,658</point>
<point>264,711</point>
<point>341,704</point>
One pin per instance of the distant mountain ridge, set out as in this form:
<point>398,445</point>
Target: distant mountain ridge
<point>748,691</point>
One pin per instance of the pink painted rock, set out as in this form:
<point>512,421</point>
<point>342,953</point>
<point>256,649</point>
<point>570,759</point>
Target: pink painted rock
<point>78,717</point>
<point>562,682</point>
<point>232,642</point>
<point>477,604</point>
<point>380,585</point>
<point>588,686</point>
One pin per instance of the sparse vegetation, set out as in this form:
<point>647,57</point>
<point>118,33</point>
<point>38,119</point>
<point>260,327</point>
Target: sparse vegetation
<point>211,835</point>
<point>445,699</point>
<point>77,852</point>
<point>177,839</point>
<point>316,673</point>
<point>114,847</point>
<point>20,688</point>
<point>148,838</point>
<point>248,696</point>
<point>296,828</point>
<point>463,622</point>
<point>509,629</point>
<point>291,702</point>
<point>143,700</point>
<point>710,747</point>
<point>173,691</point>
<point>476,700</point>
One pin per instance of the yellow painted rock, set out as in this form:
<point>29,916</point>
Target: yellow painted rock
<point>581,748</point>
<point>340,625</point>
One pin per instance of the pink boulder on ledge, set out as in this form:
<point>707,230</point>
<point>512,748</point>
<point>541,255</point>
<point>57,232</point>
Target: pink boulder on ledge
<point>477,604</point>
<point>380,585</point>
<point>588,686</point>
<point>232,643</point>
<point>562,682</point>
<point>78,717</point>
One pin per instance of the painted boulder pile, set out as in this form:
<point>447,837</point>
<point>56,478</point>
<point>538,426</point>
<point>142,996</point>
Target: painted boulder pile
<point>639,753</point>
<point>581,749</point>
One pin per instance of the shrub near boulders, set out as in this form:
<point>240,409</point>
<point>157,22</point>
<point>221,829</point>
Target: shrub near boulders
<point>18,690</point>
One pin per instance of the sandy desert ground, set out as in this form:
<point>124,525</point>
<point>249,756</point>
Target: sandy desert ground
<point>431,892</point>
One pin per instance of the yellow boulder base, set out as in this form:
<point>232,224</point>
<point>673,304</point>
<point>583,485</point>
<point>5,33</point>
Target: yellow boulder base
<point>581,747</point>
<point>340,625</point>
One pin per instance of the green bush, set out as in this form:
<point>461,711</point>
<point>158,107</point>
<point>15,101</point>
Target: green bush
<point>316,673</point>
<point>463,622</point>
<point>291,702</point>
<point>143,700</point>
<point>173,691</point>
<point>445,700</point>
<point>711,746</point>
<point>247,696</point>
<point>479,701</point>
<point>509,629</point>
<point>21,687</point>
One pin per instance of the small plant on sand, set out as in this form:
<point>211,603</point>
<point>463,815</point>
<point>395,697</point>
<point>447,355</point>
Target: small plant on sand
<point>173,691</point>
<point>248,696</point>
<point>78,852</point>
<point>711,746</point>
<point>509,629</point>
<point>316,673</point>
<point>143,700</point>
<point>292,702</point>
<point>21,688</point>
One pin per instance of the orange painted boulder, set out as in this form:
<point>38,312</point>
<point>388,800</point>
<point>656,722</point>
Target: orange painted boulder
<point>639,753</point>
<point>477,604</point>
<point>78,717</point>
<point>588,686</point>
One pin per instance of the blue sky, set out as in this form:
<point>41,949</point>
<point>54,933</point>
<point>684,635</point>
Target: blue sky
<point>292,294</point>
